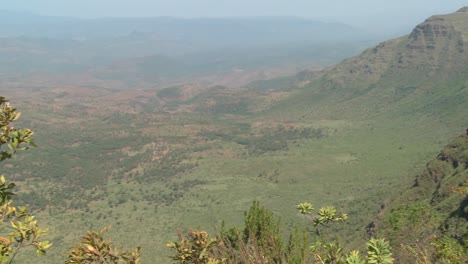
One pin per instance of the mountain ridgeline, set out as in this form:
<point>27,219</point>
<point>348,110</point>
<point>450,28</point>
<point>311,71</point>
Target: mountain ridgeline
<point>423,72</point>
<point>416,80</point>
<point>139,49</point>
<point>421,76</point>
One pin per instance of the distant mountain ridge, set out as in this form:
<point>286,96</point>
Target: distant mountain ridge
<point>230,29</point>
<point>163,48</point>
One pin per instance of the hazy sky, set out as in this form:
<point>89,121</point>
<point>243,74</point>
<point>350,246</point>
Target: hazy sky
<point>365,13</point>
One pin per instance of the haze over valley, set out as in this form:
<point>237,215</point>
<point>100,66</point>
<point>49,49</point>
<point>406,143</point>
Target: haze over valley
<point>156,123</point>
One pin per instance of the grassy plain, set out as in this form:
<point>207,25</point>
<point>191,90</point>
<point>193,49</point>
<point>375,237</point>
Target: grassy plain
<point>149,173</point>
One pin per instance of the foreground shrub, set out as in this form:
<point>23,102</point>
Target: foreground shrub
<point>93,248</point>
<point>260,242</point>
<point>19,228</point>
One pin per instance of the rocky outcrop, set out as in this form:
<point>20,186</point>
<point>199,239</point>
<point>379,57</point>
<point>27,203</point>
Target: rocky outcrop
<point>435,30</point>
<point>432,207</point>
<point>438,41</point>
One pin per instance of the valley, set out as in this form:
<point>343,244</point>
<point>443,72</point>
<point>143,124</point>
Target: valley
<point>148,155</point>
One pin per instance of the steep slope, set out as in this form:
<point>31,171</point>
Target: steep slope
<point>424,72</point>
<point>433,210</point>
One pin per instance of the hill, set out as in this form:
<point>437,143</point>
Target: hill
<point>432,215</point>
<point>423,72</point>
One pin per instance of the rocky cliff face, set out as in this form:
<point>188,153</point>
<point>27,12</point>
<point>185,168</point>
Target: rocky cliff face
<point>431,30</point>
<point>438,41</point>
<point>435,206</point>
<point>424,71</point>
<point>463,10</point>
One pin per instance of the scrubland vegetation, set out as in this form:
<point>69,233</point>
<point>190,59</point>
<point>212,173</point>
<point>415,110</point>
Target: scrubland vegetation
<point>363,138</point>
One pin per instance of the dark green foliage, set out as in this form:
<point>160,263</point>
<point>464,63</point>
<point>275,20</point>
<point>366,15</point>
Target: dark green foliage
<point>259,236</point>
<point>266,140</point>
<point>411,216</point>
<point>298,247</point>
<point>262,227</point>
<point>169,93</point>
<point>168,166</point>
<point>261,242</point>
<point>277,139</point>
